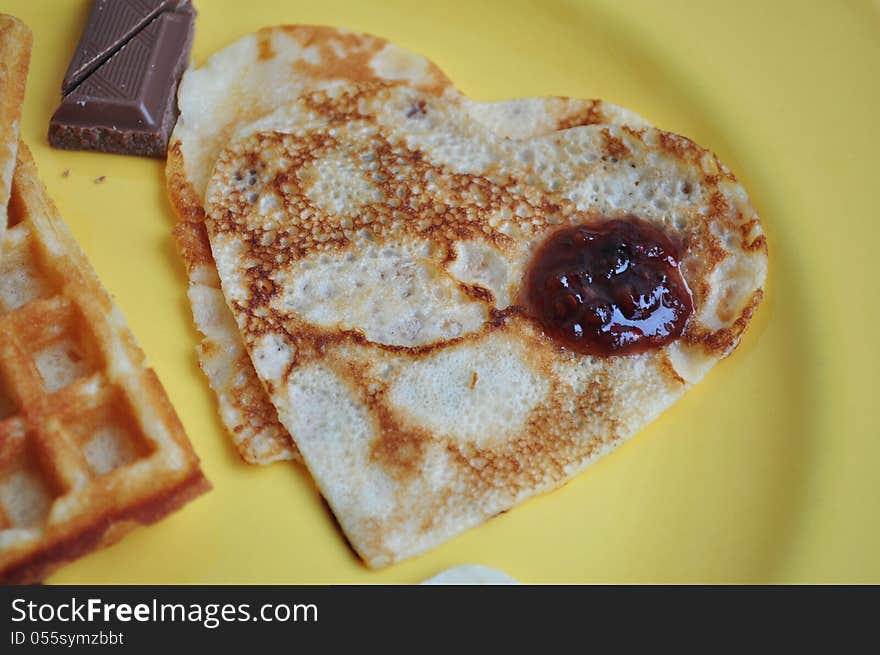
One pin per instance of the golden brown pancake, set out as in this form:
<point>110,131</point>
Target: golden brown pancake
<point>373,243</point>
<point>255,76</point>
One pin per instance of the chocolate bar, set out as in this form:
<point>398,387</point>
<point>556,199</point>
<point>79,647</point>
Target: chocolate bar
<point>110,26</point>
<point>127,104</point>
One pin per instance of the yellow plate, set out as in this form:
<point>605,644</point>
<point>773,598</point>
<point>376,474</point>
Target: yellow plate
<point>767,471</point>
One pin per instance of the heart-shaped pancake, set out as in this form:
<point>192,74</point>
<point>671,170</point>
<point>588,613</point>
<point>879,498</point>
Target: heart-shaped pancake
<point>376,245</point>
<point>251,79</point>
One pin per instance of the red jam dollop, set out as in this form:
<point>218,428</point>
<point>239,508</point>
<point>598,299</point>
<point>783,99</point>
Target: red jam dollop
<point>609,288</point>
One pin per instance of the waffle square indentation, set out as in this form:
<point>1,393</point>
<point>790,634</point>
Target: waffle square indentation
<point>21,278</point>
<point>61,363</point>
<point>58,342</point>
<point>109,434</point>
<point>27,489</point>
<point>25,497</point>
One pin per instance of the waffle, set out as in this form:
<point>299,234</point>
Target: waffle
<point>89,445</point>
<point>15,53</point>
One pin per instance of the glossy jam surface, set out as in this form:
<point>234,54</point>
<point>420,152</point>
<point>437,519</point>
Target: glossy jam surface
<point>608,288</point>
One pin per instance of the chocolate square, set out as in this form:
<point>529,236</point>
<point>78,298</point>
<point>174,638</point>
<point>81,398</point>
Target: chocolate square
<point>128,104</point>
<point>111,24</point>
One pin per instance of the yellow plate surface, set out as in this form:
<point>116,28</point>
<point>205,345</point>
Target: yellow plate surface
<point>767,471</point>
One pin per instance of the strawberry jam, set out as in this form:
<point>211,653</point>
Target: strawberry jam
<point>608,288</point>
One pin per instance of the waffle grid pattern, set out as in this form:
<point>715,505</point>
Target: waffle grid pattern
<point>89,445</point>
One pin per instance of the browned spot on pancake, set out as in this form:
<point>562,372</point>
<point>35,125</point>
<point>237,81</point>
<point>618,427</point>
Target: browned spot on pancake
<point>312,341</point>
<point>614,146</point>
<point>318,35</point>
<point>668,371</point>
<point>209,348</point>
<point>589,116</point>
<point>718,205</point>
<point>541,451</point>
<point>417,109</point>
<point>183,196</point>
<point>474,378</point>
<point>565,412</point>
<point>723,171</point>
<point>477,292</point>
<point>334,112</point>
<point>539,351</point>
<point>193,244</point>
<point>727,305</point>
<point>353,64</point>
<point>265,51</point>
<point>636,132</point>
<point>253,403</point>
<point>371,535</point>
<point>458,220</point>
<point>263,290</point>
<point>397,449</point>
<point>428,523</point>
<point>746,227</point>
<point>721,342</point>
<point>355,67</point>
<point>759,244</point>
<point>680,146</point>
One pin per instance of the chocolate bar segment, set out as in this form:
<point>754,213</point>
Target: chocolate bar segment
<point>110,25</point>
<point>128,104</point>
